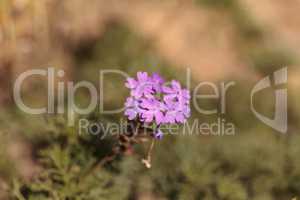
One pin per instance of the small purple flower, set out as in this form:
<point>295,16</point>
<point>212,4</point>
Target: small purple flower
<point>132,108</point>
<point>157,82</point>
<point>152,102</point>
<point>143,86</point>
<point>157,78</point>
<point>175,92</point>
<point>158,134</point>
<point>177,102</point>
<point>153,110</point>
<point>175,116</point>
<point>176,113</point>
<point>131,83</point>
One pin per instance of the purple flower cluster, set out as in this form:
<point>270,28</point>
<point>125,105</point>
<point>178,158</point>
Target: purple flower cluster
<point>153,101</point>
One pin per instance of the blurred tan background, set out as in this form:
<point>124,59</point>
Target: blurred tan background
<point>219,40</point>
